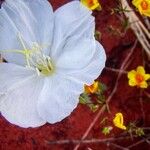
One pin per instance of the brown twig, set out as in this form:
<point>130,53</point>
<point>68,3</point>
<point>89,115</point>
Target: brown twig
<point>141,103</point>
<point>146,20</point>
<point>137,143</point>
<point>147,94</point>
<point>118,146</point>
<point>89,141</point>
<point>116,70</point>
<point>139,28</point>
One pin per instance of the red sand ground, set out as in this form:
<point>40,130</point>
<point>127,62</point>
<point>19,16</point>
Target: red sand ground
<point>125,100</point>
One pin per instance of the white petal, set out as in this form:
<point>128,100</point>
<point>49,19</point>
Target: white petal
<point>71,19</point>
<point>33,20</point>
<point>19,102</point>
<point>11,75</point>
<point>93,69</point>
<point>76,54</point>
<point>59,98</point>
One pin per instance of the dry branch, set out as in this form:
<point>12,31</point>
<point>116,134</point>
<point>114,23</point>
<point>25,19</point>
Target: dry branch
<point>139,29</point>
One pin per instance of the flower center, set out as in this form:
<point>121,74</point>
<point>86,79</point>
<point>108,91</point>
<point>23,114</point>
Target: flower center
<point>144,5</point>
<point>36,59</point>
<point>90,3</point>
<point>43,64</point>
<point>139,78</point>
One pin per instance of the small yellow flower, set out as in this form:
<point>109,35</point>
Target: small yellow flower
<point>138,77</point>
<point>92,88</point>
<point>143,6</point>
<point>91,4</point>
<point>118,121</point>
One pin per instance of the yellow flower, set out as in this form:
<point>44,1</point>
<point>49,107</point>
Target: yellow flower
<point>118,121</point>
<point>143,6</point>
<point>138,77</point>
<point>91,4</point>
<point>92,88</point>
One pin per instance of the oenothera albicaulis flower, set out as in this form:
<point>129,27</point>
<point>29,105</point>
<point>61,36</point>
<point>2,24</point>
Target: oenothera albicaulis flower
<point>143,6</point>
<point>50,55</point>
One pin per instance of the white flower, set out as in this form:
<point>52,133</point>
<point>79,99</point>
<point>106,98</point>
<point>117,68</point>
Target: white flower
<point>51,55</point>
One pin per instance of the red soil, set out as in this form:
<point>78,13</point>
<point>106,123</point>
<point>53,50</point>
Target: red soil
<point>126,99</point>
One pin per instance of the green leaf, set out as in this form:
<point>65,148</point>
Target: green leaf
<point>106,130</point>
<point>84,99</point>
<point>139,132</point>
<point>93,107</point>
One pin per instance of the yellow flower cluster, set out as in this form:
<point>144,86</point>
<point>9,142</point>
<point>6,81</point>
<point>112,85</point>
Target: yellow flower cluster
<point>91,4</point>
<point>143,6</point>
<point>138,77</point>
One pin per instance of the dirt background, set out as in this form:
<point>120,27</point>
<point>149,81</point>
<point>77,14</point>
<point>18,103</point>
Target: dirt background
<point>126,99</point>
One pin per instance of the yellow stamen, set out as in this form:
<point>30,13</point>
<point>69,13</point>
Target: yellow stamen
<point>144,5</point>
<point>91,4</point>
<point>35,58</point>
<point>139,78</point>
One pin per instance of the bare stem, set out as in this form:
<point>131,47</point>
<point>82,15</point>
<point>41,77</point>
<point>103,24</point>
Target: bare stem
<point>137,143</point>
<point>116,70</point>
<point>89,141</point>
<point>138,27</point>
<point>118,146</point>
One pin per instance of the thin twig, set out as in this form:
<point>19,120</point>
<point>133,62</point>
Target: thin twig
<point>118,146</point>
<point>141,103</point>
<point>89,141</point>
<point>137,143</point>
<point>116,70</point>
<point>146,20</point>
<point>145,128</point>
<point>147,94</point>
<point>139,29</point>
